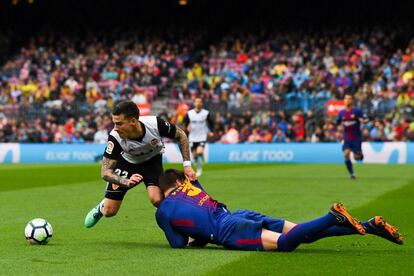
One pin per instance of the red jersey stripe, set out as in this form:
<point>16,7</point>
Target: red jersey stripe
<point>183,222</point>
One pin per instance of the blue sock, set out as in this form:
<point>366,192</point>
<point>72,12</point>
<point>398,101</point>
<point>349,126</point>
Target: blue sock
<point>292,239</point>
<point>348,164</point>
<point>335,231</point>
<point>369,229</point>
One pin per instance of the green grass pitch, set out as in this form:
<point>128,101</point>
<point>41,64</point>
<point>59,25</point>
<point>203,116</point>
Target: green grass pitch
<point>131,242</point>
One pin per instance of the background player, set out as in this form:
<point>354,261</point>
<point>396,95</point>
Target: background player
<point>188,211</point>
<point>350,118</point>
<point>199,125</point>
<point>134,154</point>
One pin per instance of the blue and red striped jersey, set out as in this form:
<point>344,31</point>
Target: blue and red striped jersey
<point>351,124</point>
<point>188,211</point>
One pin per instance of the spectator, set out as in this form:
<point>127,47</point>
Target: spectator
<point>101,136</point>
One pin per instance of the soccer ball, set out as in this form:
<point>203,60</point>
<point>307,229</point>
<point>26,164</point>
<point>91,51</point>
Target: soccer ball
<point>38,231</point>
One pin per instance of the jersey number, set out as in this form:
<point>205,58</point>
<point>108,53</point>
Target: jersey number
<point>121,173</point>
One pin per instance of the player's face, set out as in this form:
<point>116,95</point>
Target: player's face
<point>348,101</point>
<point>198,103</point>
<point>125,127</point>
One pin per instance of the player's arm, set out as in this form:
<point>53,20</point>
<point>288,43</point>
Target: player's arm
<point>361,116</point>
<point>339,119</point>
<point>173,132</point>
<point>186,122</point>
<point>108,174</point>
<point>183,143</point>
<point>184,146</point>
<point>175,239</point>
<point>112,152</point>
<point>210,124</point>
<point>363,120</point>
<point>339,125</point>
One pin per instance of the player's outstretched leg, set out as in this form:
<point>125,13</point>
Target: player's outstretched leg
<point>345,219</point>
<point>94,215</point>
<point>378,226</point>
<point>375,226</point>
<point>302,232</point>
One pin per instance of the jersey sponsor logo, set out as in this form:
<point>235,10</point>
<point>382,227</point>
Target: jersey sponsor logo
<point>198,121</point>
<point>9,153</point>
<point>349,123</point>
<point>109,147</point>
<point>386,153</point>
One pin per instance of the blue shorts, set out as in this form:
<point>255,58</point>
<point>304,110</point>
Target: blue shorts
<point>242,229</point>
<point>354,146</point>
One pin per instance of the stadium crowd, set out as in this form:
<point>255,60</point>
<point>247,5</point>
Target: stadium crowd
<point>267,87</point>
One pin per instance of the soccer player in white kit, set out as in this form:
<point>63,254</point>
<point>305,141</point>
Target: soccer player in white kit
<point>199,125</point>
<point>134,154</point>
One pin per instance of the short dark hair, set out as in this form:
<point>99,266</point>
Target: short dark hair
<point>168,178</point>
<point>128,108</point>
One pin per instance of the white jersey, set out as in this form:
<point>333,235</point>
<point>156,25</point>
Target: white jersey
<point>140,150</point>
<point>198,125</point>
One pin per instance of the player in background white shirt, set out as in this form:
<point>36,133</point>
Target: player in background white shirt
<point>199,125</point>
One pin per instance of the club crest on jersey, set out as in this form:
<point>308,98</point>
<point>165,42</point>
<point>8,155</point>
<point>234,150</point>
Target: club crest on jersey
<point>109,147</point>
<point>154,142</point>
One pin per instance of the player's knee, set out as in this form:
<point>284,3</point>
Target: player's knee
<point>109,211</point>
<point>359,157</point>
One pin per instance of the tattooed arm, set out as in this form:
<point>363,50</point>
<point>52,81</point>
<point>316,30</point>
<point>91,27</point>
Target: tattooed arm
<point>185,152</point>
<point>183,144</point>
<point>108,174</point>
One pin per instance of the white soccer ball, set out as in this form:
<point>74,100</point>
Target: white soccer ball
<point>38,231</point>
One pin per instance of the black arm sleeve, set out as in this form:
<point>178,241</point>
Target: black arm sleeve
<point>210,122</point>
<point>166,129</point>
<point>113,148</point>
<point>186,120</point>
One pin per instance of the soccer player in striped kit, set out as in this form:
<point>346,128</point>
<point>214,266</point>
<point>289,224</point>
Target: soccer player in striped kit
<point>350,118</point>
<point>188,211</point>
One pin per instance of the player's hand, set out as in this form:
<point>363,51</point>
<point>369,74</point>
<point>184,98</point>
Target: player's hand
<point>189,173</point>
<point>134,180</point>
